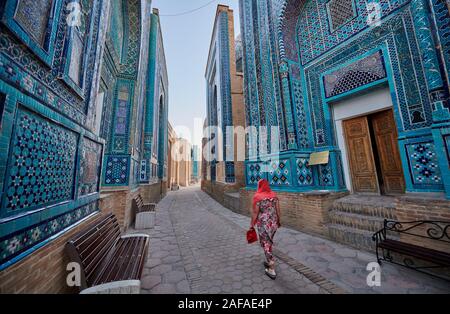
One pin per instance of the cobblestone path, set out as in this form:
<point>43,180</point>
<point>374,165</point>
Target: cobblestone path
<point>198,246</point>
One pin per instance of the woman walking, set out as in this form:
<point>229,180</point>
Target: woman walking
<point>266,216</point>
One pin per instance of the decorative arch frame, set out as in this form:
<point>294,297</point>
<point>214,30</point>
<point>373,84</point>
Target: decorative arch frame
<point>287,25</point>
<point>132,32</point>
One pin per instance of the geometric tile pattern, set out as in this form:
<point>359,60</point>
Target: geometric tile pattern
<point>280,172</point>
<point>325,175</point>
<point>117,169</point>
<point>17,243</point>
<point>229,172</point>
<point>132,48</point>
<point>121,118</point>
<point>41,166</point>
<point>424,164</point>
<point>143,171</point>
<point>447,146</point>
<point>33,16</point>
<point>315,37</point>
<point>90,166</point>
<point>255,173</point>
<point>359,73</point>
<point>404,57</point>
<point>78,42</point>
<point>442,17</point>
<point>43,161</point>
<point>304,172</point>
<point>340,12</point>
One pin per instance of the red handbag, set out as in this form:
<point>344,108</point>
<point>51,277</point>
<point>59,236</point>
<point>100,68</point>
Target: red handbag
<point>251,236</point>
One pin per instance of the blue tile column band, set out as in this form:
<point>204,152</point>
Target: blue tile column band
<point>284,72</point>
<point>438,95</point>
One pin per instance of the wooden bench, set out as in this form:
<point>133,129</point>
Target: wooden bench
<point>143,207</point>
<point>424,232</point>
<point>109,262</point>
<point>145,214</point>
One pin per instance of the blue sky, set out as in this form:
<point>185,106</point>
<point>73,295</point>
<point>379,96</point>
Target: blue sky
<point>186,44</point>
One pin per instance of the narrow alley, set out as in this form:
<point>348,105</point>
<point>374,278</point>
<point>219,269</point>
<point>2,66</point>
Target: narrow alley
<point>199,246</point>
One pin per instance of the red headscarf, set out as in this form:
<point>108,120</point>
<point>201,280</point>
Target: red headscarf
<point>263,192</point>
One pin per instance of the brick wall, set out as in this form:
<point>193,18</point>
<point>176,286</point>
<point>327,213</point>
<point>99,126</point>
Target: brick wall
<point>217,189</point>
<point>409,208</point>
<point>206,186</point>
<point>119,203</point>
<point>154,192</point>
<point>307,212</point>
<point>44,271</point>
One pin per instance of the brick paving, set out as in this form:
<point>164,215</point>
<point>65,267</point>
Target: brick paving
<point>199,246</point>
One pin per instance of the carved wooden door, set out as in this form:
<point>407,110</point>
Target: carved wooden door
<point>385,133</point>
<point>360,154</point>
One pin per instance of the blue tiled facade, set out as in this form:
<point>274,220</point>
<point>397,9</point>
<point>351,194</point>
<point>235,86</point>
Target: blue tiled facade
<point>135,107</point>
<point>218,91</point>
<point>301,56</point>
<point>72,103</point>
<point>50,156</point>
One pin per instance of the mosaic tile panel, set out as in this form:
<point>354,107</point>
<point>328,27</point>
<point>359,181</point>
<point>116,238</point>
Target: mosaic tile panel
<point>447,147</point>
<point>33,16</point>
<point>280,172</point>
<point>29,68</point>
<point>90,167</point>
<point>407,73</point>
<point>132,48</point>
<point>424,166</point>
<point>143,171</point>
<point>2,107</point>
<point>301,120</point>
<point>117,170</point>
<point>359,73</point>
<point>41,166</point>
<point>325,175</point>
<point>442,16</point>
<point>121,119</point>
<point>315,37</point>
<point>255,172</point>
<point>304,172</point>
<point>20,241</point>
<point>340,12</point>
<point>288,16</point>
<point>229,172</point>
<point>75,65</point>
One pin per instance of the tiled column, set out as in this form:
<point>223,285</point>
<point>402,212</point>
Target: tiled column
<point>438,91</point>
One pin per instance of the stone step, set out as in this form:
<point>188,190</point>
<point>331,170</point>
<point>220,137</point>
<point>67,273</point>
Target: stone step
<point>370,206</point>
<point>357,221</point>
<point>357,238</point>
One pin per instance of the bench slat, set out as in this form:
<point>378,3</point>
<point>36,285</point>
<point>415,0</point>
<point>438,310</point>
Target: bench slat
<point>124,263</point>
<point>438,257</point>
<point>95,261</point>
<point>130,256</point>
<point>139,255</point>
<point>90,243</point>
<point>111,267</point>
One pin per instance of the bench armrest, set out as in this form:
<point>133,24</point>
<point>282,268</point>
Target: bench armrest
<point>116,287</point>
<point>135,235</point>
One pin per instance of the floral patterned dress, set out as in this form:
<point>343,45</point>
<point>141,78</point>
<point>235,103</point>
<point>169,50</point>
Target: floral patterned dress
<point>267,224</point>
